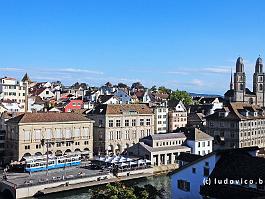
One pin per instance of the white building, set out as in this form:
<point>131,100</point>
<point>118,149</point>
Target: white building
<point>13,90</point>
<point>161,119</point>
<point>199,142</point>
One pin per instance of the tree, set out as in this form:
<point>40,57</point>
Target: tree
<point>120,191</point>
<point>164,90</point>
<point>181,95</point>
<point>153,88</point>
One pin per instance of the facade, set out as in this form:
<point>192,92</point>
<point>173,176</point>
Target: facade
<point>237,125</point>
<point>73,105</point>
<point>13,90</point>
<point>119,126</point>
<point>177,116</point>
<point>240,93</point>
<point>161,119</point>
<point>160,149</point>
<point>67,132</point>
<point>124,98</point>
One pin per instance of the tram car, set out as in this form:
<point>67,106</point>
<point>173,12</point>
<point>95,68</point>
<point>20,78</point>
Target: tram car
<point>39,163</point>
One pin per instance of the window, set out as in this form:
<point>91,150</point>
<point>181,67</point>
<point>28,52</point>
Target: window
<point>118,135</point>
<point>199,144</point>
<point>118,123</point>
<point>148,122</point>
<point>134,122</point>
<point>209,143</point>
<point>141,122</point>
<point>111,135</point>
<point>100,123</point>
<point>126,122</point>
<point>193,170</point>
<point>203,144</point>
<point>47,92</point>
<point>27,147</point>
<point>206,164</point>
<point>184,185</point>
<point>110,123</point>
<point>127,135</point>
<point>74,104</point>
<point>206,171</point>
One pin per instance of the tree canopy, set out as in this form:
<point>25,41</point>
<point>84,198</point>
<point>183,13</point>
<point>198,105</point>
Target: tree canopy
<point>181,95</point>
<point>120,191</point>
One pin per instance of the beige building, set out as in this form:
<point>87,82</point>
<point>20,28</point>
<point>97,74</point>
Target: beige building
<point>177,116</point>
<point>160,149</point>
<point>237,125</point>
<point>119,126</point>
<point>67,132</point>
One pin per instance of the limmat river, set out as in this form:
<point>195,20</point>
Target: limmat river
<point>159,182</point>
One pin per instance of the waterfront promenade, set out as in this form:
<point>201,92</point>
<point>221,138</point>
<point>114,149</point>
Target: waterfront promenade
<point>22,185</point>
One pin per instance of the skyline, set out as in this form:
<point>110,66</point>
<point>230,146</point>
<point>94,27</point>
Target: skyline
<point>189,45</point>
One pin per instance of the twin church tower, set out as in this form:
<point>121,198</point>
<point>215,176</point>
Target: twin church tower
<point>238,91</point>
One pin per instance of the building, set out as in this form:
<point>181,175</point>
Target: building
<point>13,90</point>
<point>73,105</point>
<point>161,119</point>
<point>196,120</point>
<point>119,126</point>
<point>237,125</point>
<point>177,115</point>
<point>234,164</point>
<point>199,142</point>
<point>124,98</point>
<point>160,149</point>
<point>67,132</point>
<point>238,91</point>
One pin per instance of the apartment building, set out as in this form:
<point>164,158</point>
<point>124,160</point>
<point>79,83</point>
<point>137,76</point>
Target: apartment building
<point>119,126</point>
<point>13,90</point>
<point>161,119</point>
<point>66,132</point>
<point>177,115</point>
<point>237,125</point>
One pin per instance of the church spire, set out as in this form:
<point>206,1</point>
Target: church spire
<point>231,81</point>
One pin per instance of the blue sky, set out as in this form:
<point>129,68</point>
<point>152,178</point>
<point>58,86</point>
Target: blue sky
<point>189,45</point>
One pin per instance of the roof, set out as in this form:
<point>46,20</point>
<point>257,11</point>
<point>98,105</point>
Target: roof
<point>188,157</point>
<point>48,117</point>
<point>105,98</point>
<point>196,117</point>
<point>38,100</point>
<point>196,134</point>
<point>235,111</point>
<point>166,148</point>
<point>120,108</point>
<point>217,152</point>
<point>165,136</point>
<point>234,165</point>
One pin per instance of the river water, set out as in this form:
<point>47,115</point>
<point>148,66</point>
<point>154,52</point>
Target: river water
<point>159,182</point>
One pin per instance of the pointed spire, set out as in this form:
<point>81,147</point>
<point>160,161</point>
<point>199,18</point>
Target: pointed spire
<point>26,78</point>
<point>231,81</point>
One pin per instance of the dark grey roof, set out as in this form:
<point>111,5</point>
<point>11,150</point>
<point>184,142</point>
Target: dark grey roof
<point>188,157</point>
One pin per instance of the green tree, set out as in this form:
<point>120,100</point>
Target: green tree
<point>181,95</point>
<point>164,90</point>
<point>153,88</point>
<point>120,191</point>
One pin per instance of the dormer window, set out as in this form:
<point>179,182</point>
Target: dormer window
<point>255,114</point>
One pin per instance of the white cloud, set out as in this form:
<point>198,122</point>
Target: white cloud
<point>217,69</point>
<point>77,70</point>
<point>10,69</point>
<point>197,82</point>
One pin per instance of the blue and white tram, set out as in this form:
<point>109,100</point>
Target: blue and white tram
<point>39,163</point>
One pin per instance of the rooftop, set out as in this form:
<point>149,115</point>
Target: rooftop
<point>48,117</point>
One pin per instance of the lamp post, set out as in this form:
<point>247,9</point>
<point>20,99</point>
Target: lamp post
<point>43,142</point>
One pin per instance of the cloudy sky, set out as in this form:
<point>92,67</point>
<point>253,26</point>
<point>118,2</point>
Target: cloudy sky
<point>189,45</point>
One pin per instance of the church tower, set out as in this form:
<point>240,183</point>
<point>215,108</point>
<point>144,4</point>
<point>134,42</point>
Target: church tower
<point>239,81</point>
<point>258,82</point>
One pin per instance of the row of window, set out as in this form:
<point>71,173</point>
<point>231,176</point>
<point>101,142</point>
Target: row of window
<point>127,122</point>
<point>170,143</point>
<point>203,144</point>
<point>59,144</point>
<point>160,116</point>
<point>127,136</point>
